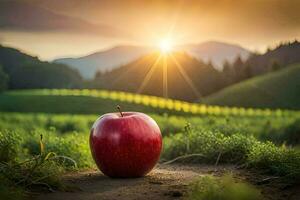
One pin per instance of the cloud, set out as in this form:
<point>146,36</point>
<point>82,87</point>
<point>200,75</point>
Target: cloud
<point>245,19</point>
<point>139,17</point>
<point>23,16</point>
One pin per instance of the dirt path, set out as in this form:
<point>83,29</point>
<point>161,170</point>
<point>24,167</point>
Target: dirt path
<point>163,183</point>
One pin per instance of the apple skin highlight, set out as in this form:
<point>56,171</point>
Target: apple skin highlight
<point>125,146</point>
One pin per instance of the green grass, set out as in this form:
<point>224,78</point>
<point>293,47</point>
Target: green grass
<point>216,134</point>
<point>65,104</point>
<point>232,137</point>
<point>278,129</point>
<point>65,139</point>
<point>215,148</point>
<point>275,90</point>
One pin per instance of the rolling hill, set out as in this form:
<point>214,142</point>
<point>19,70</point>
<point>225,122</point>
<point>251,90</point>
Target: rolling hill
<point>25,71</point>
<point>177,76</point>
<point>213,51</point>
<point>279,57</point>
<point>280,89</point>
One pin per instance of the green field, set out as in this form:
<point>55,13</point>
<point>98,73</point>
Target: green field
<point>212,134</point>
<point>102,101</point>
<point>279,89</point>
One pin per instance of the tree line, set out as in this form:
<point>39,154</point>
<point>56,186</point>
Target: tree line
<point>19,71</point>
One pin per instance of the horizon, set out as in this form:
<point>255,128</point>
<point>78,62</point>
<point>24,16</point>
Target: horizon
<point>155,47</point>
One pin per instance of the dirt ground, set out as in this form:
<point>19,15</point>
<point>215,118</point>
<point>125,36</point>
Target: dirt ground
<point>163,183</point>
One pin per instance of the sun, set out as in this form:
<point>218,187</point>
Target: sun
<point>165,46</point>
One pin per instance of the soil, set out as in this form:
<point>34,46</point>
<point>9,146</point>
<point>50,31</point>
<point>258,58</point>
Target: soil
<point>163,183</point>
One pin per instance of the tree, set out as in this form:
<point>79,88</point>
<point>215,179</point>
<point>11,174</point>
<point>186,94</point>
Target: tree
<point>98,74</point>
<point>226,67</point>
<point>237,66</point>
<point>275,66</point>
<point>3,79</point>
<point>248,71</point>
<point>228,73</point>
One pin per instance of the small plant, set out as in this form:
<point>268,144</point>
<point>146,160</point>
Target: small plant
<point>43,169</point>
<point>9,146</point>
<point>187,130</point>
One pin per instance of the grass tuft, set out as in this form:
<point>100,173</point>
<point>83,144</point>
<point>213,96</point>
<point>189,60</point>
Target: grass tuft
<point>223,188</point>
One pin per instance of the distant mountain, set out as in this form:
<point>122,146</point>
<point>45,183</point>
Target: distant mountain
<point>280,89</point>
<point>25,71</point>
<point>24,16</point>
<point>216,52</point>
<point>107,60</point>
<point>178,76</point>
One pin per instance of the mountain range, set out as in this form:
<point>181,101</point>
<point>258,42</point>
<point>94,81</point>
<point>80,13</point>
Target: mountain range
<point>181,76</point>
<point>106,60</point>
<point>184,77</point>
<point>216,52</point>
<point>212,51</point>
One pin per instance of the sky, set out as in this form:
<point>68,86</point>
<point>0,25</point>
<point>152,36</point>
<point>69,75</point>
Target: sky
<point>58,28</point>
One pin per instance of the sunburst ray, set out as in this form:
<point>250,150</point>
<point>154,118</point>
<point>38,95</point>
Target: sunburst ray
<point>148,75</point>
<point>186,77</point>
<point>165,77</point>
<point>144,60</point>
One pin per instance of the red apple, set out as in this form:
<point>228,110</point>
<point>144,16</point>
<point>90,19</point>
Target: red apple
<point>125,144</point>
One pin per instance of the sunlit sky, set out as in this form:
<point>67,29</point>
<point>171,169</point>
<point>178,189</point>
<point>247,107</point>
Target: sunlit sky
<point>97,24</point>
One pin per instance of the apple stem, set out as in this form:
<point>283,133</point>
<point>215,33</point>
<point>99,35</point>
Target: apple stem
<point>119,108</point>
